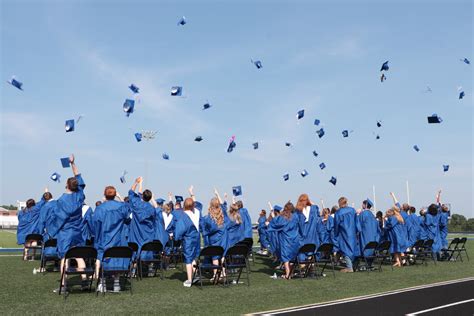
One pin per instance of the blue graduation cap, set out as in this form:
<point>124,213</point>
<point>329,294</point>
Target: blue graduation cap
<point>182,21</point>
<point>176,91</point>
<point>333,180</point>
<point>255,145</point>
<point>134,88</point>
<point>317,122</point>
<point>383,77</point>
<point>160,201</point>
<point>434,119</point>
<point>416,148</point>
<point>320,132</point>
<point>304,173</point>
<point>322,165</point>
<point>369,203</point>
<point>232,144</point>
<point>377,137</point>
<point>286,176</point>
<point>128,106</point>
<point>288,144</point>
<point>198,139</point>
<point>206,106</point>
<point>345,133</point>
<point>300,114</point>
<point>257,63</point>
<point>178,198</point>
<point>445,168</point>
<point>138,137</point>
<point>237,190</point>
<point>56,177</point>
<point>466,61</point>
<point>166,156</point>
<point>315,154</point>
<point>379,124</point>
<point>65,162</point>
<point>122,178</point>
<point>461,95</point>
<point>69,126</point>
<point>17,84</point>
<point>384,66</point>
<point>277,208</point>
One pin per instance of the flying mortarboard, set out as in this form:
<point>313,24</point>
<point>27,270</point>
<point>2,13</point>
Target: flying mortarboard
<point>322,165</point>
<point>315,154</point>
<point>377,137</point>
<point>286,177</point>
<point>320,132</point>
<point>232,144</point>
<point>17,84</point>
<point>255,145</point>
<point>288,144</point>
<point>333,180</point>
<point>383,77</point>
<point>300,114</point>
<point>345,133</point>
<point>56,177</point>
<point>176,91</point>
<point>165,156</point>
<point>304,173</point>
<point>122,178</point>
<point>182,21</point>
<point>198,139</point>
<point>128,106</point>
<point>257,63</point>
<point>445,168</point>
<point>434,119</point>
<point>379,124</point>
<point>237,190</point>
<point>384,66</point>
<point>466,61</point>
<point>416,148</point>
<point>317,122</point>
<point>178,198</point>
<point>206,106</point>
<point>65,162</point>
<point>134,88</point>
<point>461,95</point>
<point>138,137</point>
<point>69,126</point>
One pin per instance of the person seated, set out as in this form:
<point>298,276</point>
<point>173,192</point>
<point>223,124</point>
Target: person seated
<point>345,233</point>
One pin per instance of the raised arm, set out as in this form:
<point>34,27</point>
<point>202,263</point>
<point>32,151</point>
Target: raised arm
<point>191,193</point>
<point>134,185</point>
<point>119,197</point>
<point>438,197</point>
<point>322,204</point>
<point>153,201</point>
<point>394,198</point>
<point>170,197</point>
<point>75,171</point>
<point>216,193</point>
<point>140,185</point>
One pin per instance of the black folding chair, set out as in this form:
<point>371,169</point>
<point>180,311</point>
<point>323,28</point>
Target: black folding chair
<point>45,257</point>
<point>236,260</point>
<point>383,255</point>
<point>88,254</point>
<point>461,247</point>
<point>134,247</point>
<point>204,264</point>
<point>368,255</point>
<point>324,255</point>
<point>249,242</point>
<point>413,251</point>
<point>307,252</point>
<point>118,252</point>
<point>452,247</point>
<point>157,248</point>
<point>176,254</point>
<point>33,238</point>
<point>426,252</point>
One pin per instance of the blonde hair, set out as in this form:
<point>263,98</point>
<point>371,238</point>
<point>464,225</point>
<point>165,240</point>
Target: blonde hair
<point>303,201</point>
<point>234,214</point>
<point>395,211</point>
<point>342,202</point>
<point>215,212</point>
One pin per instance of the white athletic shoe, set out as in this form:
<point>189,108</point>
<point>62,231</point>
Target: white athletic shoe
<point>187,283</point>
<point>116,286</point>
<point>101,288</point>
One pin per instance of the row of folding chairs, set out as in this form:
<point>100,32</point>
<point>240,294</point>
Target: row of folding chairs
<point>456,248</point>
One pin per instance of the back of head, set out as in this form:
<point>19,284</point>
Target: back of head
<point>334,209</point>
<point>215,212</point>
<point>239,204</point>
<point>379,214</point>
<point>110,193</point>
<point>287,210</point>
<point>342,202</point>
<point>30,203</point>
<point>47,196</point>
<point>189,204</point>
<point>167,208</point>
<point>147,195</point>
<point>303,201</point>
<point>412,210</point>
<point>263,213</point>
<point>444,208</point>
<point>366,205</point>
<point>72,184</point>
<point>234,214</point>
<point>405,207</point>
<point>433,209</point>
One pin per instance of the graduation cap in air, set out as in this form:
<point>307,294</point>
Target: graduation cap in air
<point>445,168</point>
<point>237,190</point>
<point>134,88</point>
<point>56,177</point>
<point>379,123</point>
<point>255,145</point>
<point>317,122</point>
<point>300,114</point>
<point>17,84</point>
<point>434,119</point>
<point>322,165</point>
<point>138,137</point>
<point>69,126</point>
<point>345,133</point>
<point>232,144</point>
<point>257,63</point>
<point>198,139</point>
<point>369,203</point>
<point>320,132</point>
<point>65,162</point>
<point>206,106</point>
<point>304,173</point>
<point>461,95</point>
<point>128,106</point>
<point>377,137</point>
<point>416,148</point>
<point>288,144</point>
<point>178,198</point>
<point>333,180</point>
<point>277,208</point>
<point>182,21</point>
<point>315,154</point>
<point>122,178</point>
<point>383,77</point>
<point>286,176</point>
<point>176,91</point>
<point>384,66</point>
<point>160,201</point>
<point>166,156</point>
<point>466,61</point>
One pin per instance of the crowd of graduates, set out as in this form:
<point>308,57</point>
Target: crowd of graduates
<point>140,218</point>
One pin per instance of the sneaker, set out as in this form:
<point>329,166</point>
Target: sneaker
<point>101,288</point>
<point>116,286</point>
<point>63,290</point>
<point>187,283</point>
<point>274,276</point>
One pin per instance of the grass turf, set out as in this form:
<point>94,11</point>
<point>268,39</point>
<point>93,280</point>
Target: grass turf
<point>25,293</point>
<point>8,239</point>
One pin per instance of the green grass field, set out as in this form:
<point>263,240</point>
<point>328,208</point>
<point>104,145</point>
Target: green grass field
<point>8,239</point>
<point>25,293</point>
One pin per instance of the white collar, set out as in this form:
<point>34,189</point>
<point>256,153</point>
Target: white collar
<point>194,216</point>
<point>306,212</point>
<point>167,219</point>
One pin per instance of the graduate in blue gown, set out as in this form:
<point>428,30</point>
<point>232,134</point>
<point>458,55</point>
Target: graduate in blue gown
<point>169,220</point>
<point>396,234</point>
<point>67,226</point>
<point>345,232</point>
<point>432,227</point>
<point>367,227</point>
<point>262,232</point>
<point>160,231</point>
<point>246,220</point>
<point>142,225</point>
<point>421,222</point>
<point>308,215</point>
<point>326,227</point>
<point>407,223</point>
<point>414,233</point>
<point>87,225</point>
<point>46,221</point>
<point>273,239</point>
<point>443,221</point>
<point>187,230</point>
<point>287,226</point>
<point>235,227</point>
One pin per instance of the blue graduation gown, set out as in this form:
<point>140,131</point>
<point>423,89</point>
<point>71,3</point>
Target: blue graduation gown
<point>169,230</point>
<point>345,231</point>
<point>396,234</point>
<point>323,234</point>
<point>213,234</point>
<point>308,226</point>
<point>288,236</point>
<point>273,240</point>
<point>262,232</point>
<point>160,231</point>
<point>67,225</point>
<point>28,222</point>
<point>413,229</point>
<point>443,229</point>
<point>142,225</point>
<point>330,230</point>
<point>45,224</point>
<point>87,224</point>
<point>432,230</point>
<point>246,223</point>
<point>189,234</point>
<point>406,227</point>
<point>367,227</point>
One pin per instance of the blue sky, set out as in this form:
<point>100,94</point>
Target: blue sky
<point>78,57</point>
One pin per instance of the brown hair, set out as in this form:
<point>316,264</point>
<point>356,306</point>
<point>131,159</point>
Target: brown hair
<point>234,214</point>
<point>326,213</point>
<point>30,203</point>
<point>189,204</point>
<point>287,210</point>
<point>47,196</point>
<point>263,213</point>
<point>342,202</point>
<point>303,201</point>
<point>215,212</point>
<point>147,195</point>
<point>334,209</point>
<point>110,193</point>
<point>239,204</point>
<point>72,184</point>
<point>167,208</point>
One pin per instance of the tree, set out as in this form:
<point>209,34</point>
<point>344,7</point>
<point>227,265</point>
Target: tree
<point>9,207</point>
